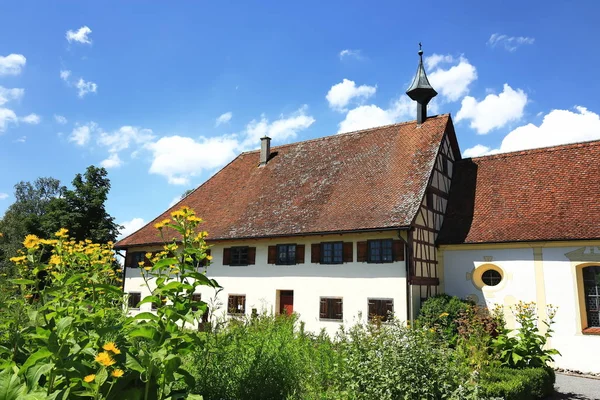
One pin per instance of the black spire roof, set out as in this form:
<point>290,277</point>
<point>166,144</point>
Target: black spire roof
<point>420,88</point>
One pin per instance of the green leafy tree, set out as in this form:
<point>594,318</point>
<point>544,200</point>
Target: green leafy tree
<point>82,209</point>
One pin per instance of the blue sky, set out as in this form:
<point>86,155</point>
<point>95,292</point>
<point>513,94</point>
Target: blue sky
<point>165,93</point>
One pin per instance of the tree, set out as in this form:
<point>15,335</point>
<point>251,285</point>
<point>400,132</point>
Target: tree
<point>44,206</point>
<point>82,210</point>
<point>25,215</point>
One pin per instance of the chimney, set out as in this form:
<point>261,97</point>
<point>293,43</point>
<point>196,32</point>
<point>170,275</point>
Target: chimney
<point>265,150</point>
<point>421,91</point>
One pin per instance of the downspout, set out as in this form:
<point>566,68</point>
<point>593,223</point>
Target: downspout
<point>124,270</point>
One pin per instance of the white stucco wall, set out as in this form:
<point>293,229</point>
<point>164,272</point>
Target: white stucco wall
<point>554,282</point>
<point>354,282</point>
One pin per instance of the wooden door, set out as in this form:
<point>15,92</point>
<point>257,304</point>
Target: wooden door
<point>286,302</point>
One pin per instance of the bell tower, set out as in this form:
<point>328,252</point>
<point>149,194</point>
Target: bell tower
<point>420,90</point>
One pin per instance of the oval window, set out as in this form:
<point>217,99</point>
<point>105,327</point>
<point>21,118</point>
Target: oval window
<point>491,277</point>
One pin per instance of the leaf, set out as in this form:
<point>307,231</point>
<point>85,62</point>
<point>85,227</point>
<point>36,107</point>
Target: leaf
<point>11,387</point>
<point>22,281</point>
<point>111,288</point>
<point>34,373</point>
<point>101,376</point>
<point>133,364</point>
<point>146,315</point>
<point>63,324</point>
<point>165,262</point>
<point>194,397</point>
<point>145,332</point>
<point>148,299</point>
<point>34,358</point>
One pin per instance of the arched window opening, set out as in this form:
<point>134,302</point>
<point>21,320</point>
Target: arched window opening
<point>591,285</point>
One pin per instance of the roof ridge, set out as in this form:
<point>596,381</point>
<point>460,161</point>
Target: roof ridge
<point>548,149</point>
<point>335,135</point>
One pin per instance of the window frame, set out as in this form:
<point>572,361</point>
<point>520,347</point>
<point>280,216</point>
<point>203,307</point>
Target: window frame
<point>333,251</point>
<point>129,300</point>
<point>134,262</point>
<point>288,259</point>
<point>236,252</point>
<point>236,297</point>
<point>331,307</point>
<point>370,255</point>
<point>497,277</point>
<point>383,304</point>
<point>586,297</point>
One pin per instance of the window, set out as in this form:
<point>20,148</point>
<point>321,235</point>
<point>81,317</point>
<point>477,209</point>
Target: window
<point>134,299</point>
<point>236,304</point>
<point>591,286</point>
<point>331,308</point>
<point>381,309</point>
<point>135,258</point>
<point>380,251</point>
<point>239,255</point>
<point>332,253</point>
<point>286,254</point>
<point>491,277</point>
<point>196,298</point>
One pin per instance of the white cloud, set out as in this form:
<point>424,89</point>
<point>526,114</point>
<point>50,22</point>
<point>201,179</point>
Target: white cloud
<point>369,116</point>
<point>281,129</point>
<point>3,196</point>
<point>510,43</point>
<point>454,82</point>
<point>85,87</point>
<point>32,119</point>
<point>179,158</point>
<point>224,118</point>
<point>60,119</point>
<point>476,151</point>
<point>433,60</point>
<point>350,53</point>
<point>342,93</point>
<point>7,95</point>
<point>82,134</point>
<point>558,127</point>
<point>7,117</point>
<point>131,226</point>
<point>12,64</point>
<point>494,111</point>
<point>80,36</point>
<point>65,74</point>
<point>122,138</point>
<point>22,139</point>
<point>113,161</point>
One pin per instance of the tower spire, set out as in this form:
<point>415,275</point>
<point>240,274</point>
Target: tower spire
<point>420,90</point>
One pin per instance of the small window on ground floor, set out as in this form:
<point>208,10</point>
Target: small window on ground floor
<point>236,304</point>
<point>134,299</point>
<point>591,285</point>
<point>331,308</point>
<point>196,298</point>
<point>381,309</point>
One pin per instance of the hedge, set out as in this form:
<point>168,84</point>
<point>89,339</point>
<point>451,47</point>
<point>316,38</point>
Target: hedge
<point>517,384</point>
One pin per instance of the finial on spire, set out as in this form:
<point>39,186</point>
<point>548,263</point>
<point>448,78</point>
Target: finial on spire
<point>420,90</point>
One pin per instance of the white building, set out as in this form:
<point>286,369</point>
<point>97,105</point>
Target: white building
<point>347,226</point>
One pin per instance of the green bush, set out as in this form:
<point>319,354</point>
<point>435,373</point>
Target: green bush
<point>267,357</point>
<point>516,384</point>
<point>391,361</point>
<point>440,313</point>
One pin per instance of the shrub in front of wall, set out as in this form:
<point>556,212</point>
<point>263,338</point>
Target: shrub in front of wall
<point>516,384</point>
<point>440,313</point>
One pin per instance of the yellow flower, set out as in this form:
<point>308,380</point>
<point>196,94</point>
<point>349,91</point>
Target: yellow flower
<point>1,234</point>
<point>444,314</point>
<point>31,241</point>
<point>110,346</point>
<point>89,378</point>
<point>147,268</point>
<point>105,359</point>
<point>117,373</point>
<point>18,259</point>
<point>62,233</point>
<point>54,259</point>
<point>209,258</point>
<point>28,296</point>
<point>162,224</point>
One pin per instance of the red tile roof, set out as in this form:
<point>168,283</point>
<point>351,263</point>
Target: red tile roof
<point>543,194</point>
<point>365,180</point>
